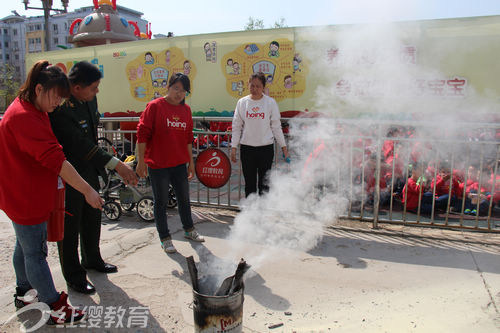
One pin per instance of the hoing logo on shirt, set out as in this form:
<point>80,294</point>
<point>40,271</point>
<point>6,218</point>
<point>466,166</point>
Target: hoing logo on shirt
<point>255,113</point>
<point>175,123</point>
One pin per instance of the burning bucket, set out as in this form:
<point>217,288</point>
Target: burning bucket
<point>218,310</point>
<point>218,313</point>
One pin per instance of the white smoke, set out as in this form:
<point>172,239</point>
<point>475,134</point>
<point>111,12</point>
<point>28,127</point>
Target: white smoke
<point>375,70</point>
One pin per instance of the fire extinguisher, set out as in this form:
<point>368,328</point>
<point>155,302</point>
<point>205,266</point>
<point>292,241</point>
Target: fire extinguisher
<point>55,225</point>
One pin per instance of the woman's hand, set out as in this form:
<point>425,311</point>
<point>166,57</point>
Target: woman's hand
<point>141,169</point>
<point>190,171</point>
<point>93,198</point>
<point>285,152</point>
<point>233,154</point>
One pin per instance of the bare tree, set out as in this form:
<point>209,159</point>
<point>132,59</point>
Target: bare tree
<point>254,24</point>
<point>280,24</point>
<point>9,84</point>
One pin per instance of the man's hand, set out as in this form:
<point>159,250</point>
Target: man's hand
<point>126,172</point>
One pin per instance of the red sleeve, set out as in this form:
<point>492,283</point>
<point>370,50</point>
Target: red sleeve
<point>145,126</point>
<point>39,141</point>
<point>189,132</point>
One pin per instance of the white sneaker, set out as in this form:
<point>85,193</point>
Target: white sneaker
<point>168,246</point>
<point>194,235</point>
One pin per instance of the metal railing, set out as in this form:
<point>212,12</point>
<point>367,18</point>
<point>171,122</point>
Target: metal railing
<point>359,170</point>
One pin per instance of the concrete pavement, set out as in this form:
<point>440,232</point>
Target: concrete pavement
<point>393,279</point>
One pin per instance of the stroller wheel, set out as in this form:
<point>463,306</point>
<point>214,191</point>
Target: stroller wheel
<point>112,210</point>
<point>145,208</point>
<point>127,206</point>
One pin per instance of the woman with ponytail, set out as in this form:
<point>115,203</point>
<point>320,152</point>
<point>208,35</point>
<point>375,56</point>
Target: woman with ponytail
<point>32,161</point>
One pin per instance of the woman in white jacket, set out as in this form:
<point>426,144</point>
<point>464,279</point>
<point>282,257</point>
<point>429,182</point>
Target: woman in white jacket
<point>256,124</point>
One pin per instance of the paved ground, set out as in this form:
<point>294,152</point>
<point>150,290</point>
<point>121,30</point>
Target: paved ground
<point>393,279</point>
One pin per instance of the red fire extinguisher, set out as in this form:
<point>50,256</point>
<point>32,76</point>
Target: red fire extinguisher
<point>55,225</point>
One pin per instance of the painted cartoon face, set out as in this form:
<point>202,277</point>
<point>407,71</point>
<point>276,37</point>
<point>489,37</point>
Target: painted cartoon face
<point>148,57</point>
<point>236,68</point>
<point>207,47</point>
<point>288,82</point>
<point>273,47</point>
<point>229,62</point>
<point>187,68</point>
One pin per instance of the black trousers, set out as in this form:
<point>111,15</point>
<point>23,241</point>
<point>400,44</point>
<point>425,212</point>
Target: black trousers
<point>256,162</point>
<point>83,224</point>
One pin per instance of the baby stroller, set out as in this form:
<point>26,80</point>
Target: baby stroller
<point>118,196</point>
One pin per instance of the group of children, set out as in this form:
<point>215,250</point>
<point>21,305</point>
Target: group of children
<point>474,191</point>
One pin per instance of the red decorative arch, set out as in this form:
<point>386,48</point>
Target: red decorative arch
<point>137,31</point>
<point>114,4</point>
<point>96,4</point>
<point>72,26</point>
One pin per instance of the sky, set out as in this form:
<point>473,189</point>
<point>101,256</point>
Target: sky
<point>200,16</point>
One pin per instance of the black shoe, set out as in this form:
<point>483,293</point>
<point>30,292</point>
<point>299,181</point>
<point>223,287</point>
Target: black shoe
<point>84,288</point>
<point>105,268</point>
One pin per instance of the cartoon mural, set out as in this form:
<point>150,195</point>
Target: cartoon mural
<point>284,68</point>
<point>148,74</point>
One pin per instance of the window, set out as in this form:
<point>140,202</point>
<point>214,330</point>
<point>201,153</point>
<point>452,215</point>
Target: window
<point>38,27</point>
<point>16,44</point>
<point>14,32</point>
<point>56,40</point>
<point>55,27</point>
<point>39,40</point>
<point>16,56</point>
<point>18,69</point>
<point>6,44</point>
<point>65,26</point>
<point>7,56</point>
<point>5,31</point>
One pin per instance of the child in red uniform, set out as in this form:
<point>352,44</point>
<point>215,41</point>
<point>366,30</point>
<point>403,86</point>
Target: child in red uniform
<point>164,146</point>
<point>443,184</point>
<point>415,189</point>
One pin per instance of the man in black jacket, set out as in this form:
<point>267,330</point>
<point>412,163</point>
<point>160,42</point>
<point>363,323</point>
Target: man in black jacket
<point>75,125</point>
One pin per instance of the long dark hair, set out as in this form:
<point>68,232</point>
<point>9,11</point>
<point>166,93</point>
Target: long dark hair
<point>48,76</point>
<point>184,79</point>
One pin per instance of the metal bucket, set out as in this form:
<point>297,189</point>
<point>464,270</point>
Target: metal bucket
<point>217,314</point>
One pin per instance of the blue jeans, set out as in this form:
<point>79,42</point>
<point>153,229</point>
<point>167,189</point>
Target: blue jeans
<point>160,181</point>
<point>30,261</point>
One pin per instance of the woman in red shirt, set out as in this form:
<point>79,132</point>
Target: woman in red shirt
<point>32,160</point>
<point>164,147</point>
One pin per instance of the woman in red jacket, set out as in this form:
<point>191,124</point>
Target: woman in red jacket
<point>32,160</point>
<point>164,147</point>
